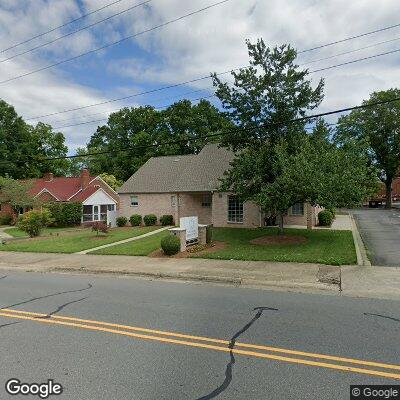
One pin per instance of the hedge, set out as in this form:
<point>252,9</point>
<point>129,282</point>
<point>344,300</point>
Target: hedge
<point>65,214</point>
<point>325,218</point>
<point>121,221</point>
<point>135,220</point>
<point>170,245</point>
<point>150,219</point>
<point>166,220</point>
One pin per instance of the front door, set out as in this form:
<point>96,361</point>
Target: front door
<point>96,213</point>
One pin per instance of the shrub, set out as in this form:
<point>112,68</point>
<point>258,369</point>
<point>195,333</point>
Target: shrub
<point>99,226</point>
<point>121,221</point>
<point>150,219</point>
<point>135,220</point>
<point>6,219</point>
<point>332,210</point>
<point>325,218</point>
<point>34,221</point>
<point>209,233</point>
<point>65,214</point>
<point>166,220</point>
<point>171,245</point>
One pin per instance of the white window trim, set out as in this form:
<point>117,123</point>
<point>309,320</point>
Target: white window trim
<point>234,222</point>
<point>130,201</point>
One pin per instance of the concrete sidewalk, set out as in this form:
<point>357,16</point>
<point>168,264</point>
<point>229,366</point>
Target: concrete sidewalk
<point>246,273</point>
<point>354,281</point>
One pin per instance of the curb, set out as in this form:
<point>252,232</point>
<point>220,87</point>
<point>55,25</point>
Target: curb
<point>362,258</point>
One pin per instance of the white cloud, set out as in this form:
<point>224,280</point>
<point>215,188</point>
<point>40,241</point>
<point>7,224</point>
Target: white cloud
<point>191,48</point>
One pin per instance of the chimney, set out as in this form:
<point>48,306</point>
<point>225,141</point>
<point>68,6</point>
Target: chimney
<point>48,176</point>
<point>85,177</point>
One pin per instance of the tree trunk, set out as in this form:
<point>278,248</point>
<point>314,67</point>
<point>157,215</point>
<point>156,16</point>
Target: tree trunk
<point>388,184</point>
<point>280,218</point>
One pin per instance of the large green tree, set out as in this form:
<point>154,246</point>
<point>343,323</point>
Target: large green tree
<point>23,147</point>
<point>278,163</point>
<point>377,129</point>
<point>138,131</point>
<point>16,193</point>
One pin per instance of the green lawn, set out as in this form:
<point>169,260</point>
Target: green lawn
<point>72,242</point>
<point>322,246</point>
<point>17,233</point>
<point>142,247</point>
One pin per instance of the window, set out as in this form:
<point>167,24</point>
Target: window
<point>206,200</point>
<point>235,210</point>
<point>111,207</point>
<point>96,212</point>
<point>134,201</point>
<point>87,213</point>
<point>173,201</point>
<point>298,209</point>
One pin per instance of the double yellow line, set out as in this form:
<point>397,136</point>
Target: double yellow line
<point>351,365</point>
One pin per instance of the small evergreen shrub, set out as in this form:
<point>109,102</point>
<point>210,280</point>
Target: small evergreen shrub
<point>209,233</point>
<point>6,219</point>
<point>332,210</point>
<point>166,220</point>
<point>325,218</point>
<point>32,222</point>
<point>135,220</point>
<point>121,221</point>
<point>171,245</point>
<point>150,219</point>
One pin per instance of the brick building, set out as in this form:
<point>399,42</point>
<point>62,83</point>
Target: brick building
<point>188,185</point>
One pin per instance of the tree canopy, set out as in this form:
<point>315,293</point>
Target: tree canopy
<point>137,131</point>
<point>23,147</point>
<point>278,163</point>
<point>377,130</point>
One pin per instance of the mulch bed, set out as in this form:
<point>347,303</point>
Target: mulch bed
<point>210,248</point>
<point>278,240</point>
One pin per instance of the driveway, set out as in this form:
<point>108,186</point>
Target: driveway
<point>380,230</point>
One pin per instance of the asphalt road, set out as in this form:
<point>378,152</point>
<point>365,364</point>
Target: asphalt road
<point>96,361</point>
<point>380,230</point>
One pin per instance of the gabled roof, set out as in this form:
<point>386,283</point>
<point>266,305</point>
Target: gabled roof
<point>190,173</point>
<point>61,188</point>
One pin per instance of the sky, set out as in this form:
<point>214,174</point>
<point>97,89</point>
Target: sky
<point>210,41</point>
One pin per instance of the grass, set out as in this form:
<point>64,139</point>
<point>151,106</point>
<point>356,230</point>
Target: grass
<point>322,246</point>
<point>17,233</point>
<point>72,242</point>
<point>142,247</point>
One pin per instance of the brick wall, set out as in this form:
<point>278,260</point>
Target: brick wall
<point>251,214</point>
<point>190,204</point>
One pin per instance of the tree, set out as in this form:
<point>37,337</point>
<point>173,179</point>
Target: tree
<point>23,147</point>
<point>16,194</point>
<point>271,91</point>
<point>111,180</point>
<point>377,129</point>
<point>138,131</point>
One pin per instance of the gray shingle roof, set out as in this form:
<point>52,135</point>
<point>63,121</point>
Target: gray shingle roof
<point>190,173</point>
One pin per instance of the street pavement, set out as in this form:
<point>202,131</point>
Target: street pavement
<point>380,231</point>
<point>92,360</point>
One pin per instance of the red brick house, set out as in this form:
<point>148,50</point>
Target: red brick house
<point>93,192</point>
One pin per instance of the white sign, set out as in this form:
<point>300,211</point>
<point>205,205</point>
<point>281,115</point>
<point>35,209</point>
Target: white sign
<point>191,224</point>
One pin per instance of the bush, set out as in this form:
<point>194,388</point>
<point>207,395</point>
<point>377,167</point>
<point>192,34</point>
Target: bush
<point>332,210</point>
<point>32,222</point>
<point>166,220</point>
<point>209,233</point>
<point>171,245</point>
<point>6,219</point>
<point>135,220</point>
<point>150,219</point>
<point>99,226</point>
<point>325,218</point>
<point>121,221</point>
<point>65,214</point>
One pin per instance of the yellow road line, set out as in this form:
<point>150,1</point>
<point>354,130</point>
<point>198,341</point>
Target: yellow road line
<point>211,347</point>
<point>213,340</point>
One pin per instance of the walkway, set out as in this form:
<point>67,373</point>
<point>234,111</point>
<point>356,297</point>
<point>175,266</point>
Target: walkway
<point>124,241</point>
<point>4,235</point>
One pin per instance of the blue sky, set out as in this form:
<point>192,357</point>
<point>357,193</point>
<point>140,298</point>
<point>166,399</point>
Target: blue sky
<point>213,40</point>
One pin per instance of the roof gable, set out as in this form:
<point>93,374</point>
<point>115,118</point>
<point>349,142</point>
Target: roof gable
<point>188,173</point>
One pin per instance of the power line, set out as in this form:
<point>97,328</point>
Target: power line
<point>206,77</point>
<point>74,32</point>
<point>114,43</point>
<point>351,38</point>
<point>60,26</point>
<point>294,120</point>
